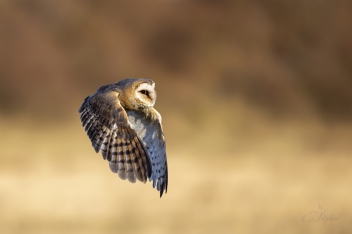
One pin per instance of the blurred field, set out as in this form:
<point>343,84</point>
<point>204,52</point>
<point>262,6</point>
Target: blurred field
<point>256,103</point>
<point>53,182</point>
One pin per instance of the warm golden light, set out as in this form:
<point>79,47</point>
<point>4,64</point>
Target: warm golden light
<point>256,104</point>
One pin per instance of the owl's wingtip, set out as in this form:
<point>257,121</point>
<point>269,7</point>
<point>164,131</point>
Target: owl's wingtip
<point>161,192</point>
<point>163,188</point>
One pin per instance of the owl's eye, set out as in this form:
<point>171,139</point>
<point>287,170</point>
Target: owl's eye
<point>145,92</point>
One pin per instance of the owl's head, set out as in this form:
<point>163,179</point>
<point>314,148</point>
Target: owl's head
<point>137,93</point>
<point>145,93</point>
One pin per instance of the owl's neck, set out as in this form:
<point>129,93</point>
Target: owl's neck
<point>149,113</point>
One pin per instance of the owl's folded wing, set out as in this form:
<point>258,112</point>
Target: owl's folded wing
<point>150,131</point>
<point>106,124</point>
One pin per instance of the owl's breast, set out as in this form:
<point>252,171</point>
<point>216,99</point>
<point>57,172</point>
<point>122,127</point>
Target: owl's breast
<point>139,124</point>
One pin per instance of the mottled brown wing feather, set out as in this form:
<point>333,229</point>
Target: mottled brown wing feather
<point>107,126</point>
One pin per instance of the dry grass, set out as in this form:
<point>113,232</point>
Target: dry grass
<point>51,181</point>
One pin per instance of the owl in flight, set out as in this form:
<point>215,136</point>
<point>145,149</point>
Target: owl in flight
<point>121,122</point>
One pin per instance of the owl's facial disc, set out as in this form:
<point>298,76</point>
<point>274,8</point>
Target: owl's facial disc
<point>145,93</point>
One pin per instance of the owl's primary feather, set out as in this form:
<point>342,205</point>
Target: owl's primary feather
<point>150,131</point>
<point>127,130</point>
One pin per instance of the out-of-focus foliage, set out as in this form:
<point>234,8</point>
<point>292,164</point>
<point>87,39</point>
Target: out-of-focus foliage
<point>287,57</point>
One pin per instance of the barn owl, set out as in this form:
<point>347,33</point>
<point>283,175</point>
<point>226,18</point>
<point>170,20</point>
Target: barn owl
<point>121,122</point>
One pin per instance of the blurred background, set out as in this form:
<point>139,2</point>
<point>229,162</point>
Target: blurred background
<point>256,99</point>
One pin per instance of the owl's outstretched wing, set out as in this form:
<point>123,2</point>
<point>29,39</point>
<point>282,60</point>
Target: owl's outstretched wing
<point>106,124</point>
<point>150,131</point>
